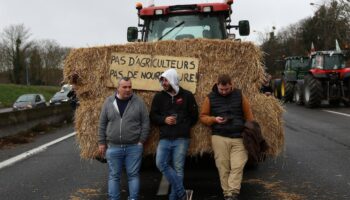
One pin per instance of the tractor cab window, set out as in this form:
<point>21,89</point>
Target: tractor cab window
<point>299,63</point>
<point>185,26</point>
<point>334,61</point>
<point>317,62</point>
<point>328,61</point>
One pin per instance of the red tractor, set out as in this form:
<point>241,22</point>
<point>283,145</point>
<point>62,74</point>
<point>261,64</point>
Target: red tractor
<point>328,80</point>
<point>205,20</point>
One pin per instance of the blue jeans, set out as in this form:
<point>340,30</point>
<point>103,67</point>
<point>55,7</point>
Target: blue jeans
<point>129,156</point>
<point>170,160</point>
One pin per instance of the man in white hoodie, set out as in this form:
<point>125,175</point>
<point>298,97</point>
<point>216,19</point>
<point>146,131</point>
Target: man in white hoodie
<point>175,111</point>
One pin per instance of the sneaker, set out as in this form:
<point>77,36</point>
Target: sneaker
<point>227,198</point>
<point>233,197</point>
<point>189,194</point>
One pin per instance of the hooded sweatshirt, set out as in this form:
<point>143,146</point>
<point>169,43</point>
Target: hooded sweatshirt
<point>183,104</point>
<point>171,76</point>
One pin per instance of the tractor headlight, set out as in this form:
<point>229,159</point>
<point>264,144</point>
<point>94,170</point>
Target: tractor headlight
<point>158,12</point>
<point>207,9</point>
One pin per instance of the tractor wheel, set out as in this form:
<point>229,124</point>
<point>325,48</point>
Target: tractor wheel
<point>334,103</point>
<point>312,91</point>
<point>288,91</point>
<point>277,88</point>
<point>347,94</point>
<point>298,94</point>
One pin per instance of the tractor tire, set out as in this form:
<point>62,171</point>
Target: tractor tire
<point>298,94</point>
<point>347,93</point>
<point>312,91</point>
<point>334,103</point>
<point>288,91</point>
<point>277,88</point>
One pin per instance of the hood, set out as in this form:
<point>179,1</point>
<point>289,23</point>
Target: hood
<point>171,76</point>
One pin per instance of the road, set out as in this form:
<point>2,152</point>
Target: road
<point>314,165</point>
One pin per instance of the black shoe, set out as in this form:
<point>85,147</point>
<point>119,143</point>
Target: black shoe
<point>233,197</point>
<point>100,159</point>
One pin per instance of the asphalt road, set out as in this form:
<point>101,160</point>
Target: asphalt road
<point>314,165</point>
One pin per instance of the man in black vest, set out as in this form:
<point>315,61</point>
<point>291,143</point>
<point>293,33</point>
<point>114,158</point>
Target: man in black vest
<point>225,110</point>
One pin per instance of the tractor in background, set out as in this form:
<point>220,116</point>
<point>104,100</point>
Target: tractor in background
<point>295,67</point>
<point>327,81</point>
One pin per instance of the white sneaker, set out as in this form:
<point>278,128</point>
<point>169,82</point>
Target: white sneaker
<point>189,194</point>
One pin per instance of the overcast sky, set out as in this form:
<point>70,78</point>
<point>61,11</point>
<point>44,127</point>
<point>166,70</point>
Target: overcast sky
<point>86,23</point>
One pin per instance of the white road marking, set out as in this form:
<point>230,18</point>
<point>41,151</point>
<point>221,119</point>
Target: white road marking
<point>338,113</point>
<point>32,152</point>
<point>163,187</point>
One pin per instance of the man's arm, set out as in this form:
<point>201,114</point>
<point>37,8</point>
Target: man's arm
<point>247,111</point>
<point>193,109</point>
<point>145,123</point>
<point>155,114</point>
<point>102,144</point>
<point>205,113</point>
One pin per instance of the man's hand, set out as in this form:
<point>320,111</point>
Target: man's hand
<point>267,93</point>
<point>170,120</point>
<point>220,120</point>
<point>102,148</point>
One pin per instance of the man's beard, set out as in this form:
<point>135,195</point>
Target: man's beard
<point>169,89</point>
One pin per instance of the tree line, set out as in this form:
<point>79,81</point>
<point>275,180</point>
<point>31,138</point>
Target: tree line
<point>330,22</point>
<point>26,61</point>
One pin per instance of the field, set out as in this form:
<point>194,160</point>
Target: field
<point>10,92</point>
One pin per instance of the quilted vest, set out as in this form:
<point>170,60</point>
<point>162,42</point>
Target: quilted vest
<point>230,107</point>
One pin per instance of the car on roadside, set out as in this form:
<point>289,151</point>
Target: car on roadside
<point>60,97</point>
<point>29,101</point>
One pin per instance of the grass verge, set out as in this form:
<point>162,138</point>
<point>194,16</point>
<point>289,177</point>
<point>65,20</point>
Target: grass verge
<point>10,92</point>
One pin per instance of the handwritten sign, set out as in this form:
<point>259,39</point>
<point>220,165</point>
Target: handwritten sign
<point>145,70</point>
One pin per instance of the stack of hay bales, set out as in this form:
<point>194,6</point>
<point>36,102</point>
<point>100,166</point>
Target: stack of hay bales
<point>241,60</point>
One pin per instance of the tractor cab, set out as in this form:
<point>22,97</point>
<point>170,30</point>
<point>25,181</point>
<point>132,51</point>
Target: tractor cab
<point>328,60</point>
<point>296,67</point>
<point>206,20</point>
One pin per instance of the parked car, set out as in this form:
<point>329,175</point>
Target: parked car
<point>29,101</point>
<point>66,87</point>
<point>59,97</point>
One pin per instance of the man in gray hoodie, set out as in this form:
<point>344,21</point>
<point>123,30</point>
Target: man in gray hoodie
<point>124,127</point>
<point>175,111</point>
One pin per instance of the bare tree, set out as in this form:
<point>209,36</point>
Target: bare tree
<point>3,66</point>
<point>52,56</point>
<point>331,21</point>
<point>16,44</point>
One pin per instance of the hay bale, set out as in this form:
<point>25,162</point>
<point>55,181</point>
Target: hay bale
<point>241,60</point>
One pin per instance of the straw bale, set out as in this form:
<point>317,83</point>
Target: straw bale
<point>241,60</point>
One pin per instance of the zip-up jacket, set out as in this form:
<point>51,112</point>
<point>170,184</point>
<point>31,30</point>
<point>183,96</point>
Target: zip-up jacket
<point>132,128</point>
<point>183,104</point>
